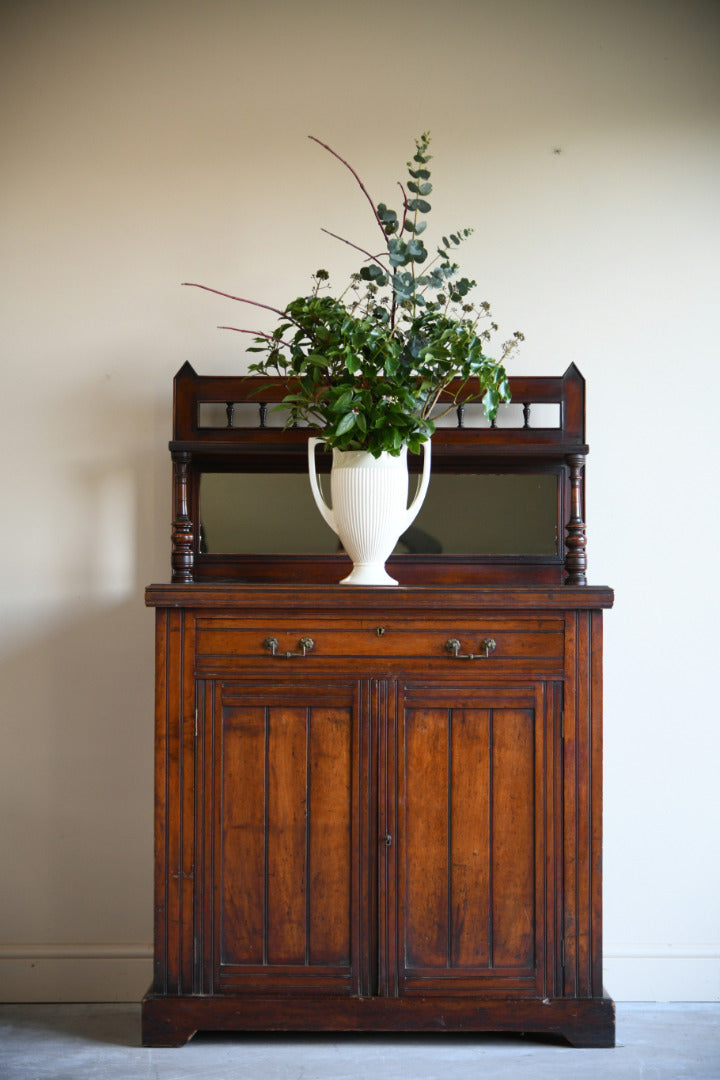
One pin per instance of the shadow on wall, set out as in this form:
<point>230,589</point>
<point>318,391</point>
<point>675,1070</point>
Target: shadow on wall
<point>77,798</point>
<point>76,793</point>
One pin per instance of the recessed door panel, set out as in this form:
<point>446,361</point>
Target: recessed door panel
<point>284,769</point>
<point>472,831</point>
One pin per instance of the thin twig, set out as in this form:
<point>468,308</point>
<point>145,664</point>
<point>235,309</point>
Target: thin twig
<point>373,258</point>
<point>257,333</point>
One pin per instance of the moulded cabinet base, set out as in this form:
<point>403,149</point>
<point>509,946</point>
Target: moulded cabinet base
<point>172,1021</point>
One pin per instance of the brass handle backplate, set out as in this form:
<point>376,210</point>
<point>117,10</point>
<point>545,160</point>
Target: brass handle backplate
<point>305,644</point>
<point>487,645</point>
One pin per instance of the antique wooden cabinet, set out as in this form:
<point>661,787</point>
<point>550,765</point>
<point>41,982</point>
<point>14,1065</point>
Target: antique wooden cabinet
<point>378,808</point>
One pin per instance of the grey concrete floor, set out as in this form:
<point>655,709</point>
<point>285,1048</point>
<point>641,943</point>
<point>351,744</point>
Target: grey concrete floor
<point>101,1042</point>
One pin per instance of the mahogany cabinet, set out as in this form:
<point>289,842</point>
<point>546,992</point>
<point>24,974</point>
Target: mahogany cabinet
<point>378,809</point>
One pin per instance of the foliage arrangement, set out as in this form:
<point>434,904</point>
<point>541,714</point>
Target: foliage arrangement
<point>369,366</point>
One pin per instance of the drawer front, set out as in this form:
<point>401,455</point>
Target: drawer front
<point>522,645</point>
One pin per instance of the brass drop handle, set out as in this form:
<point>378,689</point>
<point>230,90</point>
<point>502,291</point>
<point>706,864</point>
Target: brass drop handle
<point>305,643</point>
<point>453,646</point>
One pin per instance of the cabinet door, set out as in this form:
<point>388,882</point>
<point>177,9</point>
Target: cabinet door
<point>280,902</point>
<point>472,864</point>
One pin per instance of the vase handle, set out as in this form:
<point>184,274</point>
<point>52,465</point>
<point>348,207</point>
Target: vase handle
<point>315,487</point>
<point>414,508</point>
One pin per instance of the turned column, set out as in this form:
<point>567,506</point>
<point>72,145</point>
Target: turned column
<point>576,538</point>
<point>183,536</point>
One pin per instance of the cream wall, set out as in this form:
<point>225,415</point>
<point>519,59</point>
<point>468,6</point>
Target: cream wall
<point>147,143</point>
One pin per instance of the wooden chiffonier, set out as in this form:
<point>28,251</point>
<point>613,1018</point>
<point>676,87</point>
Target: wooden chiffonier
<point>378,808</point>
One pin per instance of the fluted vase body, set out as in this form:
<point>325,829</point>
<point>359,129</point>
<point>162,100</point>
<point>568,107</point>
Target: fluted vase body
<point>369,507</point>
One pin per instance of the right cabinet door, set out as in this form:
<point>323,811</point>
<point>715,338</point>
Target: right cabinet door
<point>476,817</point>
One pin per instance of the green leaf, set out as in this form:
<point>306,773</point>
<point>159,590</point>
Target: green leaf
<point>374,273</point>
<point>403,285</point>
<point>398,251</point>
<point>420,205</point>
<point>388,219</point>
<point>490,403</point>
<point>417,251</point>
<point>346,424</point>
<point>343,401</point>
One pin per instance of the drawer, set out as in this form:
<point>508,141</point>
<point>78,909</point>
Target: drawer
<point>459,643</point>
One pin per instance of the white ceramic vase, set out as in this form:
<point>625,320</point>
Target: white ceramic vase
<point>369,506</point>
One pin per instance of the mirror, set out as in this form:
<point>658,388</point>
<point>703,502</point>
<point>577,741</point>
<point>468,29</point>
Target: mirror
<point>463,514</point>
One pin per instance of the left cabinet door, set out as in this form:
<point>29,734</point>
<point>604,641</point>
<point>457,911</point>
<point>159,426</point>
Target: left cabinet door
<point>280,820</point>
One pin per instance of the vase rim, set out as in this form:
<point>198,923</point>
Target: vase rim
<point>352,459</point>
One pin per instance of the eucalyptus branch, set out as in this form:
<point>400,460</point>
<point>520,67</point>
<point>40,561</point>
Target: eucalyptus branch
<point>349,166</point>
<point>414,275</point>
<point>405,206</point>
<point>393,306</point>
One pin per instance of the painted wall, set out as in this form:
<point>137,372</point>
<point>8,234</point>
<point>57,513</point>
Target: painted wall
<point>148,143</point>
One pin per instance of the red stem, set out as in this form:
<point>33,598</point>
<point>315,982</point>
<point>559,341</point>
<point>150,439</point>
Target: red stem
<point>362,186</point>
<point>229,296</point>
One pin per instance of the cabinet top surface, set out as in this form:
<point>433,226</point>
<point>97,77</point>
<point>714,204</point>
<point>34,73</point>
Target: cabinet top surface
<point>352,599</point>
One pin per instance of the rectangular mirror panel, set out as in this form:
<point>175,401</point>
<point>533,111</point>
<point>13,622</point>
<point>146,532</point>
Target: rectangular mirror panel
<point>463,514</point>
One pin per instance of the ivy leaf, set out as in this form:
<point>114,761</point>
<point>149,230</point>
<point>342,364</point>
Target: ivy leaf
<point>491,401</point>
